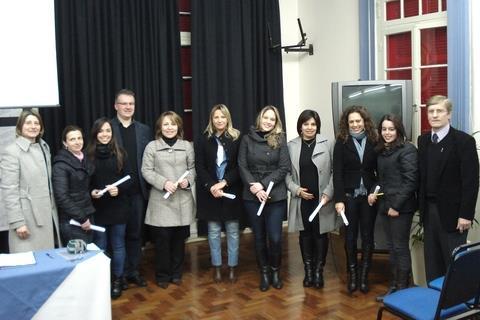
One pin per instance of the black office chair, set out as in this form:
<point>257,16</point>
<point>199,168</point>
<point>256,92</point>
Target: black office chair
<point>461,284</point>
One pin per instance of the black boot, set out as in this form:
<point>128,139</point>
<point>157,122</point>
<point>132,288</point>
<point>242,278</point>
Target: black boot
<point>321,249</point>
<point>117,286</point>
<point>307,256</point>
<point>276,263</point>
<point>217,274</point>
<point>366,262</point>
<point>393,285</point>
<point>264,278</point>
<point>351,251</point>
<point>403,279</point>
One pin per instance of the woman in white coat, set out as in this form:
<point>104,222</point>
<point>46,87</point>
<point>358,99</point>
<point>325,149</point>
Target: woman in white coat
<point>165,160</point>
<point>310,182</point>
<point>27,188</point>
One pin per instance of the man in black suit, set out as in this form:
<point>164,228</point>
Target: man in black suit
<point>133,136</point>
<point>449,173</point>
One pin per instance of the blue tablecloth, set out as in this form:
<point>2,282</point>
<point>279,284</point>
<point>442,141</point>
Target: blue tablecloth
<point>24,289</point>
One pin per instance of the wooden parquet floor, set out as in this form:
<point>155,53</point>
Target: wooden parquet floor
<point>198,297</point>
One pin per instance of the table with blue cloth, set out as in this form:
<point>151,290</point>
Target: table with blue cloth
<point>57,286</point>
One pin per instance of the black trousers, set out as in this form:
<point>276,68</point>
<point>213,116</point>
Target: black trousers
<point>169,251</point>
<point>439,244</point>
<point>397,232</point>
<point>4,242</point>
<point>360,216</point>
<point>134,235</point>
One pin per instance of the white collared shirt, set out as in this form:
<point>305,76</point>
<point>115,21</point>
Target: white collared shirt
<point>442,133</point>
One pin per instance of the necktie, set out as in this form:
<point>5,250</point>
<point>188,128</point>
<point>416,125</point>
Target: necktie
<point>435,138</point>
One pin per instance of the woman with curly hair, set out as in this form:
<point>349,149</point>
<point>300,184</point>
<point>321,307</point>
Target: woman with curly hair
<point>354,174</point>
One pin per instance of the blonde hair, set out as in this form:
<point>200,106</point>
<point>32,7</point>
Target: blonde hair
<point>175,118</point>
<point>274,136</point>
<point>438,99</point>
<point>21,121</point>
<point>230,131</point>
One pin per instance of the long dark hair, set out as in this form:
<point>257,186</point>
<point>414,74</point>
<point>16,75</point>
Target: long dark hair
<point>397,123</point>
<point>113,146</point>
<point>367,120</point>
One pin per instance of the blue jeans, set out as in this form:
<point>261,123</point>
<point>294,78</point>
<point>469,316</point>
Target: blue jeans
<point>267,225</point>
<point>214,240</point>
<point>113,238</point>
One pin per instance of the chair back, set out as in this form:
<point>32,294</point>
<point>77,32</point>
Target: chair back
<point>462,280</point>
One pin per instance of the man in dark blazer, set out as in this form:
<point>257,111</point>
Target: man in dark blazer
<point>449,173</point>
<point>133,136</point>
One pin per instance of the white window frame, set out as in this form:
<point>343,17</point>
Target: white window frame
<point>414,25</point>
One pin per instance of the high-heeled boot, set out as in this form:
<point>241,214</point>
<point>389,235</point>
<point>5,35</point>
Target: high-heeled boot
<point>276,261</point>
<point>351,252</point>
<point>307,256</point>
<point>321,249</point>
<point>264,278</point>
<point>366,262</point>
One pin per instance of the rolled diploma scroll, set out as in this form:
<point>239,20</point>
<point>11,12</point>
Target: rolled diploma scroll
<point>228,195</point>
<point>375,192</point>
<point>315,212</point>
<point>344,218</point>
<point>115,184</point>
<point>93,227</point>
<point>183,176</point>
<point>269,188</point>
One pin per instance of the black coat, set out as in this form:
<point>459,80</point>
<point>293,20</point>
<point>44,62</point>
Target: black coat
<point>210,208</point>
<point>398,179</point>
<point>457,187</point>
<point>71,186</point>
<point>143,137</point>
<point>110,210</point>
<point>348,170</point>
<point>258,162</point>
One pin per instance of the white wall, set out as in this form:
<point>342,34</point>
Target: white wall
<point>332,28</point>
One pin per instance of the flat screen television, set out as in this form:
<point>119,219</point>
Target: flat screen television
<point>379,97</point>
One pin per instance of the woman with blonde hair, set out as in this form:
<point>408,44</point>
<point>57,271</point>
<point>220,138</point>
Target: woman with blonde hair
<point>217,173</point>
<point>165,160</point>
<point>263,158</point>
<point>27,188</point>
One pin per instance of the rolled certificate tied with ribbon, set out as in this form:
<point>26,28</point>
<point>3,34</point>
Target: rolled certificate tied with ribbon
<point>375,192</point>
<point>115,184</point>
<point>316,211</point>
<point>229,195</point>
<point>183,176</point>
<point>344,217</point>
<point>92,226</point>
<point>262,205</point>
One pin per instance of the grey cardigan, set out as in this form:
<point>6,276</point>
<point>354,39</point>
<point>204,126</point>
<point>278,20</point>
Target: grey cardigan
<point>322,158</point>
<point>258,162</point>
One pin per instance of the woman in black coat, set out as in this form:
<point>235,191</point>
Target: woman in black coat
<point>263,158</point>
<point>354,166</point>
<point>71,186</point>
<point>398,181</point>
<point>113,206</point>
<point>217,173</point>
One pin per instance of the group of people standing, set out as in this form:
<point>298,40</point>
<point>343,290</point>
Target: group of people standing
<point>366,172</point>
